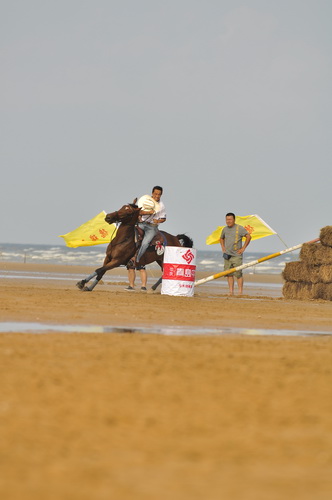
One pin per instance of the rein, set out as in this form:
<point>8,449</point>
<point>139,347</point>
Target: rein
<point>112,243</point>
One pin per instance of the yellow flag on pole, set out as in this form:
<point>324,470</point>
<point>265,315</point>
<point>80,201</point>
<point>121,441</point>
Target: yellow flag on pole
<point>94,232</point>
<point>255,226</point>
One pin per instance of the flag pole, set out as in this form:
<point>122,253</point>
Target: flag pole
<point>282,241</point>
<point>252,263</point>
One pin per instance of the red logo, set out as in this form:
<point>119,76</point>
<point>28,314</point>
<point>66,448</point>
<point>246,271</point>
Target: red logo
<point>249,228</point>
<point>188,256</point>
<point>103,233</point>
<point>181,272</point>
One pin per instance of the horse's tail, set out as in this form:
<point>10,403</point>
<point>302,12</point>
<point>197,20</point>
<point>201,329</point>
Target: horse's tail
<point>185,240</point>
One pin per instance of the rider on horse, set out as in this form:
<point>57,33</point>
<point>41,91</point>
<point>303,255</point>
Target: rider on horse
<point>122,248</point>
<point>149,221</point>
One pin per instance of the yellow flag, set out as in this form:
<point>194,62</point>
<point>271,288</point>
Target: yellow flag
<point>94,232</point>
<point>255,226</point>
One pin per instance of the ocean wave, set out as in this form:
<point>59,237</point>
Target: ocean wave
<point>209,261</point>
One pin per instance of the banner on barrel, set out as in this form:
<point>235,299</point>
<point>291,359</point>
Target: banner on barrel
<point>179,271</point>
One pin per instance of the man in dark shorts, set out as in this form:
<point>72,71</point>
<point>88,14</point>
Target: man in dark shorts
<point>231,245</point>
<point>132,277</point>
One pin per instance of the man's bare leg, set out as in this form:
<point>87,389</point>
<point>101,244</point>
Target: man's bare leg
<point>240,285</point>
<point>131,277</point>
<point>230,280</point>
<point>144,277</point>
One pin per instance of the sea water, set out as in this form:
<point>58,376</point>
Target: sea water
<point>207,261</point>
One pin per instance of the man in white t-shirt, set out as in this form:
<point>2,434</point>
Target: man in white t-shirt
<point>149,223</point>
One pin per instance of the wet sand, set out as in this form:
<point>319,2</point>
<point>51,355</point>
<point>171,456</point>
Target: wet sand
<point>123,416</point>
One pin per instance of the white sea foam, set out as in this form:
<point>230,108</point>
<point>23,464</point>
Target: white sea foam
<point>208,261</point>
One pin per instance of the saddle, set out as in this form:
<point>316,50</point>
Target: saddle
<point>159,242</point>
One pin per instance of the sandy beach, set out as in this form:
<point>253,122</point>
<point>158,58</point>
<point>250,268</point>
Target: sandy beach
<point>58,301</point>
<point>143,416</point>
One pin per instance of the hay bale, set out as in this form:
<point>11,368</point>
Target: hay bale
<point>315,254</point>
<point>325,274</point>
<point>311,277</point>
<point>325,236</point>
<point>300,291</point>
<point>324,291</point>
<point>299,272</point>
<point>307,291</point>
<point>290,272</point>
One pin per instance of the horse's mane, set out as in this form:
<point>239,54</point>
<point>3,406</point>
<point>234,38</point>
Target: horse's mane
<point>185,240</point>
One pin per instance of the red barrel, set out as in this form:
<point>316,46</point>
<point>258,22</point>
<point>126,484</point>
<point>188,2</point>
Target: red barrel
<point>179,271</point>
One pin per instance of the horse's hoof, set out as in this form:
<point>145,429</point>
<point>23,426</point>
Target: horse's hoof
<point>86,289</point>
<point>80,285</point>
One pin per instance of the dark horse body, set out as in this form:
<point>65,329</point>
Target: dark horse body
<point>123,247</point>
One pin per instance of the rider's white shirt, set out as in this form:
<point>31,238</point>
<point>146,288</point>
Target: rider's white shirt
<point>158,215</point>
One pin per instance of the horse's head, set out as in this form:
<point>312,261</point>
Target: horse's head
<point>126,214</point>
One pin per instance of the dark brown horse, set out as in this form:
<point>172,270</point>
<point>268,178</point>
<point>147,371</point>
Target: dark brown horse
<point>123,247</point>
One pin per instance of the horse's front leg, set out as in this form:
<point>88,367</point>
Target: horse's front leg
<point>98,274</point>
<point>81,284</point>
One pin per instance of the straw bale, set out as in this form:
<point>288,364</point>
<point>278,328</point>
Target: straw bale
<point>300,291</point>
<point>326,236</point>
<point>307,291</point>
<point>299,272</point>
<point>315,254</point>
<point>325,274</point>
<point>290,271</point>
<point>324,291</point>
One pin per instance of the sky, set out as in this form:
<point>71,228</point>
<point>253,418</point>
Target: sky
<point>226,104</point>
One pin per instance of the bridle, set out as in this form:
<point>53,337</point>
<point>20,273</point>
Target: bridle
<point>121,217</point>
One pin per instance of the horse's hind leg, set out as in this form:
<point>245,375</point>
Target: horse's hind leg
<point>155,286</point>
